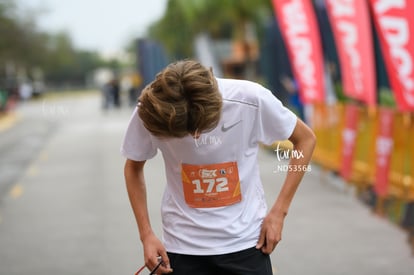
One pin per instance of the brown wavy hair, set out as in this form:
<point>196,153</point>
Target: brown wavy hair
<point>183,99</point>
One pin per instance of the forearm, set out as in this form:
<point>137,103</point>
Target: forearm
<point>153,248</point>
<point>135,183</point>
<point>303,146</point>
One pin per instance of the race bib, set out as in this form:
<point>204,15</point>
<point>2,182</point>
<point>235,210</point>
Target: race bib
<point>211,185</point>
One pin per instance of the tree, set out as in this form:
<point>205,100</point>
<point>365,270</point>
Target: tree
<point>228,19</point>
<point>24,49</point>
<point>174,31</point>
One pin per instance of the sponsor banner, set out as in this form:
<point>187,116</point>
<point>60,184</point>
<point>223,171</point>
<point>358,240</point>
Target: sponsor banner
<point>349,135</point>
<point>300,33</point>
<point>384,145</point>
<point>353,38</point>
<point>394,22</point>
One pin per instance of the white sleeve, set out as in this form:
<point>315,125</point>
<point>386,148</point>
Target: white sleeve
<point>138,143</point>
<point>275,121</point>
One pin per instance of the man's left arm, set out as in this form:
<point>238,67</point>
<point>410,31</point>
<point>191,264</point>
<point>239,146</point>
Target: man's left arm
<point>304,141</point>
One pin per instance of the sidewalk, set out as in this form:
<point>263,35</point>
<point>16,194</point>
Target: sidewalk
<point>7,120</point>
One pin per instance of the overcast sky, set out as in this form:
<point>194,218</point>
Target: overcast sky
<point>103,25</point>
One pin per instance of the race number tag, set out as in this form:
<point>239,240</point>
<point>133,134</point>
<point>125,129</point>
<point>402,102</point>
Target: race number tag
<point>212,185</point>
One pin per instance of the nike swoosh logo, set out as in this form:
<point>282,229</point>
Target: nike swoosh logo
<point>225,129</point>
<point>249,154</point>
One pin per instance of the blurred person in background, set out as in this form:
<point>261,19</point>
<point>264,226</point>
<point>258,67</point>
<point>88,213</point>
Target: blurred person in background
<point>3,97</point>
<point>135,89</point>
<point>115,90</point>
<point>106,95</point>
<point>111,94</point>
<point>214,212</point>
<point>292,88</point>
<point>25,90</point>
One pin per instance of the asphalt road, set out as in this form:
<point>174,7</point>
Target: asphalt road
<point>20,144</point>
<point>64,208</point>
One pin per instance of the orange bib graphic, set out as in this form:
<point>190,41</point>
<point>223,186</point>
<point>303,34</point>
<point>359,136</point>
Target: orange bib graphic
<point>211,185</point>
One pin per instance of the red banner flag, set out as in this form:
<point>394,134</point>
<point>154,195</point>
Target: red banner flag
<point>353,38</point>
<point>349,135</point>
<point>299,30</point>
<point>394,22</point>
<point>384,144</point>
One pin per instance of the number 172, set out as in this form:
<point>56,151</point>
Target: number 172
<point>219,184</point>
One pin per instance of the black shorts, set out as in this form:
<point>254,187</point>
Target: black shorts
<point>246,262</point>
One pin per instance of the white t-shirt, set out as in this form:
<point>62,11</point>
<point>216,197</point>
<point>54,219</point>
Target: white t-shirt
<point>251,115</point>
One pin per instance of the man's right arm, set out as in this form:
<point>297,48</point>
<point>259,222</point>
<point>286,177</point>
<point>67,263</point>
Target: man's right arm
<point>135,183</point>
